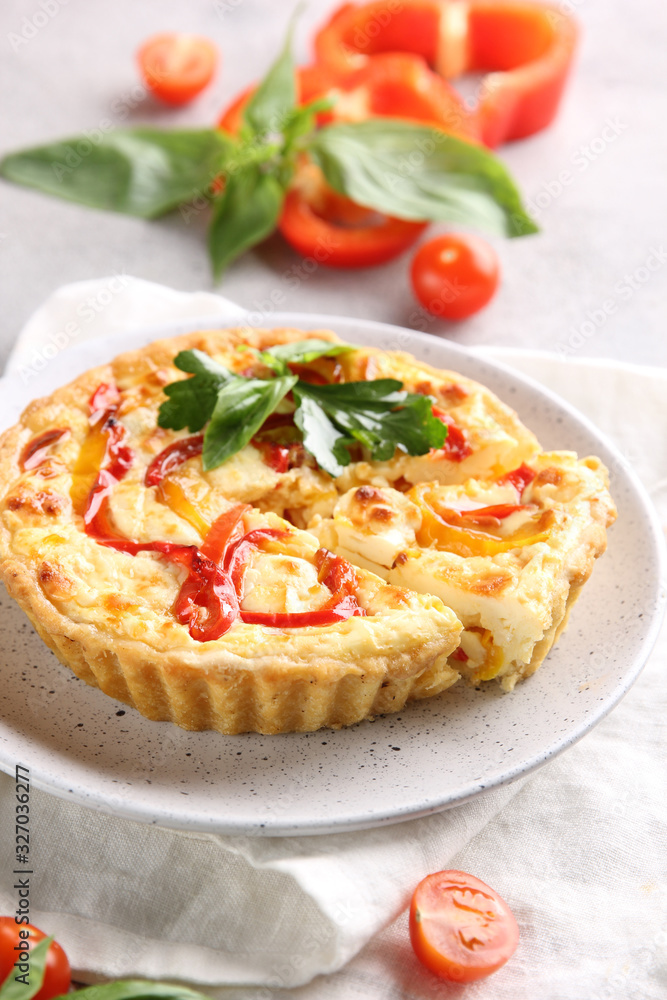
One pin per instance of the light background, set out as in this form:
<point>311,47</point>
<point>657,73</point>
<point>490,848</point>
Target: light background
<point>598,231</point>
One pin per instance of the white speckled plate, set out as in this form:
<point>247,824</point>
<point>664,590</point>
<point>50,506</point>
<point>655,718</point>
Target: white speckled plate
<point>80,744</point>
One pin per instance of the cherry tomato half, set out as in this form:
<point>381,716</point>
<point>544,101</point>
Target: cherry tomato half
<point>177,67</point>
<point>454,276</point>
<point>460,928</point>
<point>57,975</point>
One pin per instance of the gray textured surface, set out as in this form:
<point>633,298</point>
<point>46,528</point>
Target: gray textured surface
<point>598,233</point>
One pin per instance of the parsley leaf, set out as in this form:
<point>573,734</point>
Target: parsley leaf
<point>380,415</point>
<point>242,406</point>
<point>325,442</point>
<point>192,401</point>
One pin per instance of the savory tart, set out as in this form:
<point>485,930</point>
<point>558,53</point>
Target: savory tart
<point>252,530</point>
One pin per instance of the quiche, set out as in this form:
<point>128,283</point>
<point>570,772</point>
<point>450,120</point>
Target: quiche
<point>260,582</point>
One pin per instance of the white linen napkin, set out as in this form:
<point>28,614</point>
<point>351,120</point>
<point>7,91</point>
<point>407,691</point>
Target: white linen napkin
<point>578,850</point>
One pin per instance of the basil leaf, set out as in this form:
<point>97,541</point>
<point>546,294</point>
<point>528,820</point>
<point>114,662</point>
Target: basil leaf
<point>246,213</point>
<point>417,172</point>
<point>325,442</point>
<point>13,990</point>
<point>269,107</point>
<point>144,171</point>
<point>242,406</point>
<point>135,989</point>
<point>192,401</point>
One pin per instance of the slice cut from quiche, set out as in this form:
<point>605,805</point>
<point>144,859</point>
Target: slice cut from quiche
<point>509,556</point>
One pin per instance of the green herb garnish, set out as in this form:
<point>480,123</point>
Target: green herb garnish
<point>147,172</point>
<point>379,415</point>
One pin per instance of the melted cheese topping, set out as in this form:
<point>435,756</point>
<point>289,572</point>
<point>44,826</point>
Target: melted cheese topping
<point>509,599</point>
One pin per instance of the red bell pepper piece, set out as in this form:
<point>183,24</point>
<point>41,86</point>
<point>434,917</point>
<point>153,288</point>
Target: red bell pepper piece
<point>527,50</point>
<point>519,478</point>
<point>356,32</point>
<point>345,608</point>
<point>456,446</point>
<point>332,230</point>
<point>525,47</point>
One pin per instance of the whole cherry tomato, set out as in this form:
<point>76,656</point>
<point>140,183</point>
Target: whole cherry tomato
<point>177,67</point>
<point>57,975</point>
<point>454,276</point>
<point>460,928</point>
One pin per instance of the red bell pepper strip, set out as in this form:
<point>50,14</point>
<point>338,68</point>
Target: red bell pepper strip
<point>490,516</point>
<point>222,532</point>
<point>171,457</point>
<point>38,448</point>
<point>525,47</point>
<point>104,399</point>
<point>334,572</point>
<point>207,602</point>
<point>347,607</point>
<point>456,446</point>
<point>237,556</point>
